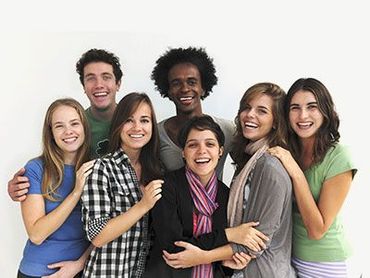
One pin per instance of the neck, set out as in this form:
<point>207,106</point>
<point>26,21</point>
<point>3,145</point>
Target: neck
<point>69,159</point>
<point>307,152</point>
<point>103,115</point>
<point>181,115</point>
<point>133,155</point>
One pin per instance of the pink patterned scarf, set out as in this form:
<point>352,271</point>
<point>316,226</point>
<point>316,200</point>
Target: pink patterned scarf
<point>204,198</point>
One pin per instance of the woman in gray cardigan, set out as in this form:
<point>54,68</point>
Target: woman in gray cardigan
<point>261,189</point>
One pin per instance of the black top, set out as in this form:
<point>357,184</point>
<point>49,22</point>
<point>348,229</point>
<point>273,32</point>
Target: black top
<point>172,220</point>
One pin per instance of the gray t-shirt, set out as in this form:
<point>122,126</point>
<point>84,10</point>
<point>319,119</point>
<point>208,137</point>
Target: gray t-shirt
<point>171,154</point>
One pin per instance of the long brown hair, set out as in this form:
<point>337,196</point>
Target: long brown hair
<point>328,134</point>
<point>149,155</point>
<point>277,135</point>
<point>52,155</point>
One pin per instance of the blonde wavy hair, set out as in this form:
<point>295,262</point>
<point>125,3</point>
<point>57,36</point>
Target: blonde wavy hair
<point>52,155</point>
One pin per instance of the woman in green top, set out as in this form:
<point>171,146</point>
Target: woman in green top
<point>321,172</point>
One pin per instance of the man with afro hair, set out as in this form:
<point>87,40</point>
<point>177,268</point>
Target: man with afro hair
<point>186,76</point>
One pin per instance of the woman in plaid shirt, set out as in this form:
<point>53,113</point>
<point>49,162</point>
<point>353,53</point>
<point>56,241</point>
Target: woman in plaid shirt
<point>122,188</point>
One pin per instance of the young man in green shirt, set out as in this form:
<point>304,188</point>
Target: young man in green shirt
<point>100,75</point>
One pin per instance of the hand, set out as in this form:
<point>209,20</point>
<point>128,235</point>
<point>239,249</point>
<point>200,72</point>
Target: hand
<point>248,236</point>
<point>82,174</point>
<point>67,269</point>
<point>286,158</point>
<point>191,256</point>
<point>151,193</point>
<point>238,261</point>
<point>18,186</point>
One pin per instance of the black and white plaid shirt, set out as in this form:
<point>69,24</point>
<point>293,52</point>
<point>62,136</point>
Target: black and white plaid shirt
<point>111,189</point>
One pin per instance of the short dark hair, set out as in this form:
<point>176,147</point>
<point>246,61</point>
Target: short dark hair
<point>201,123</point>
<point>99,55</point>
<point>195,56</point>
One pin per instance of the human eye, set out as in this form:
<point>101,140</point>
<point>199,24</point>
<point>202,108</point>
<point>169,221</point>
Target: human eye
<point>191,145</point>
<point>107,77</point>
<point>312,106</point>
<point>192,82</point>
<point>90,78</point>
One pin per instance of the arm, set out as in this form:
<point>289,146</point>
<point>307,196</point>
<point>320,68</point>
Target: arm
<point>317,218</point>
<point>118,225</point>
<point>40,225</point>
<point>193,255</point>
<point>18,186</point>
<point>269,201</point>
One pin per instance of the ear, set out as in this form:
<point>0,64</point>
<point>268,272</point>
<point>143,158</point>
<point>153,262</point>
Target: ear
<point>118,85</point>
<point>221,151</point>
<point>183,155</point>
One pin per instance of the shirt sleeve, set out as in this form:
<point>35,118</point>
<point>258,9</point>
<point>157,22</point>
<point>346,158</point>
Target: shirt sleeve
<point>339,161</point>
<point>96,202</point>
<point>270,203</point>
<point>34,173</point>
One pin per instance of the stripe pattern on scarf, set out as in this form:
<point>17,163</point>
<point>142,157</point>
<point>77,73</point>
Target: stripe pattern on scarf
<point>204,199</point>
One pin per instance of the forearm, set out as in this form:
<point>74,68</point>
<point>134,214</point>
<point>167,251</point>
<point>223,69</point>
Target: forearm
<point>218,254</point>
<point>49,223</point>
<point>310,213</point>
<point>120,224</point>
<point>85,255</point>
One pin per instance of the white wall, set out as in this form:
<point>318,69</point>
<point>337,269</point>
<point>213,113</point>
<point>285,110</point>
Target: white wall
<point>279,42</point>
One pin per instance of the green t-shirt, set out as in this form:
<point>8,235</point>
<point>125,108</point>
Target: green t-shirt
<point>99,135</point>
<point>333,246</point>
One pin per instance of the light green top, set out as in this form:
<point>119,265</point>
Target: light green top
<point>99,135</point>
<point>333,246</point>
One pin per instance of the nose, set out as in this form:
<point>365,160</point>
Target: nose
<point>202,148</point>
<point>303,113</point>
<point>99,82</point>
<point>184,87</point>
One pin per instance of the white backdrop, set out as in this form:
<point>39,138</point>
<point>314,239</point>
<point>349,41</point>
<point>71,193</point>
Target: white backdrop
<point>276,42</point>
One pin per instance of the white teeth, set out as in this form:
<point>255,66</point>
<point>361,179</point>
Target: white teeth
<point>186,98</point>
<point>70,140</point>
<point>136,135</point>
<point>202,160</point>
<point>250,124</point>
<point>100,94</point>
<point>304,124</point>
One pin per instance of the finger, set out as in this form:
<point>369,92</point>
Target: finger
<point>182,244</point>
<point>21,193</point>
<point>170,256</point>
<point>170,263</point>
<point>55,265</point>
<point>262,235</point>
<point>20,172</point>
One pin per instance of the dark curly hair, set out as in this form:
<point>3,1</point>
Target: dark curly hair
<point>196,56</point>
<point>99,55</point>
<point>328,133</point>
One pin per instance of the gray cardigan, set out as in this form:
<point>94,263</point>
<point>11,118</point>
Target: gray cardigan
<point>270,203</point>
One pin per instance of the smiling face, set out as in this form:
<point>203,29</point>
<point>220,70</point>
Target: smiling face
<point>68,131</point>
<point>201,153</point>
<point>257,119</point>
<point>185,88</point>
<point>100,85</point>
<point>304,115</point>
<point>136,132</point>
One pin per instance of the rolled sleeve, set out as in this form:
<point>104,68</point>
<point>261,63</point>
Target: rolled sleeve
<point>96,201</point>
